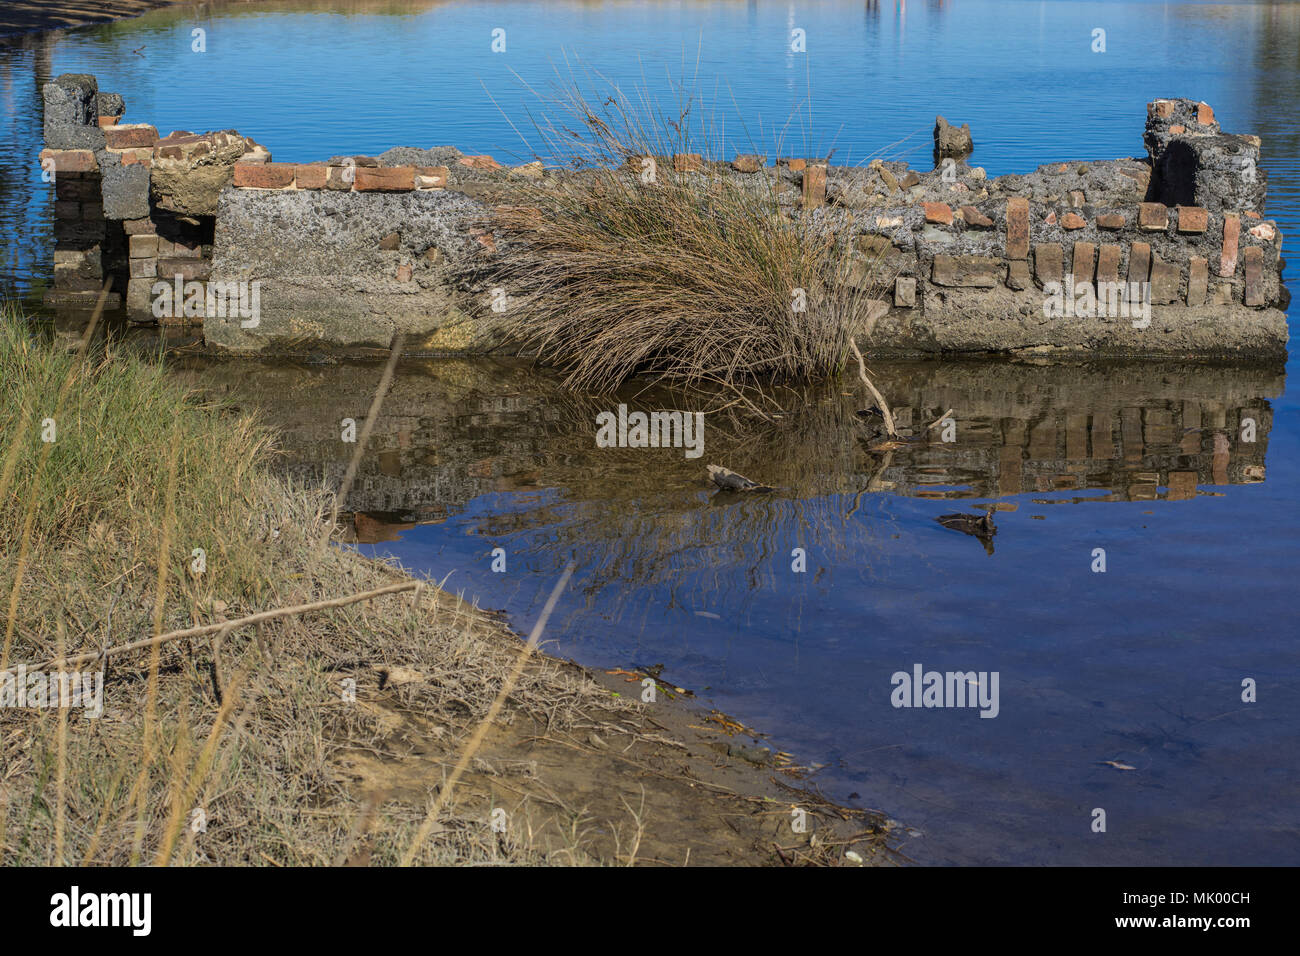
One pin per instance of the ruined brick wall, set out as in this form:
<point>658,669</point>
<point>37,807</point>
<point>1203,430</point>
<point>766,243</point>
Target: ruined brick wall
<point>1166,254</point>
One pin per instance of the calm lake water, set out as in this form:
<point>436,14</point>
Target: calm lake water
<point>1141,665</point>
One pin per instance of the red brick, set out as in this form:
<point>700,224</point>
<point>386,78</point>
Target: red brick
<point>264,175</point>
<point>137,157</point>
<point>1072,221</point>
<point>748,163</point>
<point>938,212</point>
<point>1083,264</point>
<point>1204,114</point>
<point>404,273</point>
<point>1018,229</point>
<point>105,122</point>
<point>1108,258</point>
<point>480,162</point>
<point>1231,236</point>
<point>1178,129</point>
<point>1198,280</point>
<point>1192,219</point>
<point>688,162</point>
<point>814,187</point>
<point>1162,108</point>
<point>67,209</point>
<point>1049,262</point>
<point>1252,258</point>
<point>130,137</point>
<point>1251,214</point>
<point>438,174</point>
<point>310,175</point>
<point>139,227</point>
<point>385,179</point>
<point>1112,221</point>
<point>190,270</point>
<point>1139,262</point>
<point>1153,217</point>
<point>1165,279</point>
<point>70,160</point>
<point>975,218</point>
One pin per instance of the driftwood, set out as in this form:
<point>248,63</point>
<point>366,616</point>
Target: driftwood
<point>222,626</point>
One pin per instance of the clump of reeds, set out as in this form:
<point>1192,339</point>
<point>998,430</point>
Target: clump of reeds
<point>691,276</point>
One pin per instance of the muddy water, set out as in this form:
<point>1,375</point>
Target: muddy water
<point>1140,665</point>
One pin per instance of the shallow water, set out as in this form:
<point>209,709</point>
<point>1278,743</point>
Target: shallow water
<point>1141,665</point>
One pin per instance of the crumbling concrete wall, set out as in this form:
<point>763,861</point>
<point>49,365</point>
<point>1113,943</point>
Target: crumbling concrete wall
<point>1166,254</point>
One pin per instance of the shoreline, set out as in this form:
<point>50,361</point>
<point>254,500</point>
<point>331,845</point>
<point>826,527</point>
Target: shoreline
<point>21,17</point>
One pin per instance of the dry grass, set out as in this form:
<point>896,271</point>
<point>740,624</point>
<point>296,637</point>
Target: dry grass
<point>250,727</point>
<point>619,269</point>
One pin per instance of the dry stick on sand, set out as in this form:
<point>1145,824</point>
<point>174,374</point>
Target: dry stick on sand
<point>875,392</point>
<point>91,656</point>
<point>471,748</point>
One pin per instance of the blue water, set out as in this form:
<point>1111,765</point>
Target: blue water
<point>1141,665</point>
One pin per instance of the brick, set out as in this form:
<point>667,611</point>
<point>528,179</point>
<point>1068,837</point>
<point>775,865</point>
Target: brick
<point>1165,279</point>
<point>814,186</point>
<point>1077,198</point>
<point>1231,237</point>
<point>480,162</point>
<point>938,212</point>
<point>1265,231</point>
<point>795,165</point>
<point>1153,216</point>
<point>1049,260</point>
<point>1018,229</point>
<point>139,227</point>
<point>1072,221</point>
<point>1251,214</point>
<point>310,175</point>
<point>1108,259</point>
<point>385,179</point>
<point>687,162</point>
<point>1192,219</point>
<point>432,177</point>
<point>1018,274</point>
<point>913,178</point>
<point>1082,262</point>
<point>1139,262</point>
<point>132,136</point>
<point>1252,258</point>
<point>180,249</point>
<point>70,160</point>
<point>404,273</point>
<point>106,121</point>
<point>189,270</point>
<point>92,211</point>
<point>143,246</point>
<point>1161,108</point>
<point>1112,221</point>
<point>137,157</point>
<point>1204,114</point>
<point>979,272</point>
<point>1198,280</point>
<point>975,218</point>
<point>748,163</point>
<point>76,189</point>
<point>1178,129</point>
<point>144,268</point>
<point>67,209</point>
<point>264,175</point>
<point>904,292</point>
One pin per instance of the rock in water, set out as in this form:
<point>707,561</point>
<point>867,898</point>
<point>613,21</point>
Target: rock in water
<point>728,480</point>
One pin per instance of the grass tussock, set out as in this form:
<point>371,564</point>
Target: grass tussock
<point>698,277</point>
<point>250,728</point>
